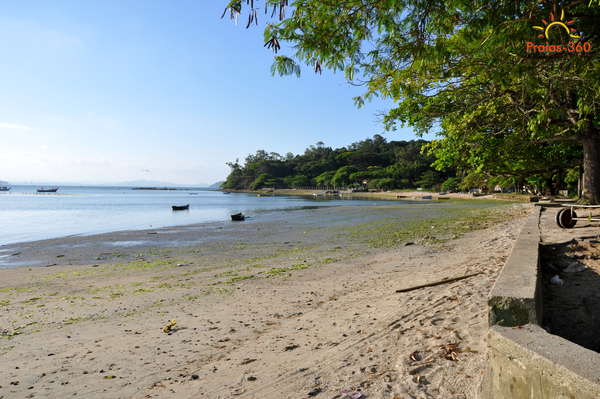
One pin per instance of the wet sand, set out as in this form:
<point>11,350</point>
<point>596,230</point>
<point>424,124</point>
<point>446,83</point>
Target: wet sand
<point>262,228</point>
<point>265,310</point>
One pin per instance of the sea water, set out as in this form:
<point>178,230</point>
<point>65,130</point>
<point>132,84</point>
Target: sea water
<point>28,216</point>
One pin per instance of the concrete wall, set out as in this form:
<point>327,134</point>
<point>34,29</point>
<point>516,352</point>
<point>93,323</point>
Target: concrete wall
<point>524,360</point>
<point>514,298</point>
<point>528,362</point>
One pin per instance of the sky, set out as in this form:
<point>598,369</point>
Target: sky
<point>120,90</point>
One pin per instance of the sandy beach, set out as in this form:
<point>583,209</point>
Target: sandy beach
<point>270,310</point>
<point>392,195</point>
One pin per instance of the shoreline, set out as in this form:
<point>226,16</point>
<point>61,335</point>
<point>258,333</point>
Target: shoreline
<point>399,195</point>
<point>162,218</point>
<point>104,247</point>
<point>253,311</point>
<point>222,215</point>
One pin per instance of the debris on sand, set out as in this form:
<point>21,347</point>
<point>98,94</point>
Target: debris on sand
<point>450,351</point>
<point>556,280</point>
<point>169,326</point>
<point>575,267</point>
<point>348,394</point>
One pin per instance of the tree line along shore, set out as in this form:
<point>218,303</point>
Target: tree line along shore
<point>379,164</point>
<point>462,71</point>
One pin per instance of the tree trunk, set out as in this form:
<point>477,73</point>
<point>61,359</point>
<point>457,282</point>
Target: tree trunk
<point>591,168</point>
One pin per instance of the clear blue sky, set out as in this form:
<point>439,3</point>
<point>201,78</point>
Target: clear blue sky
<point>109,91</point>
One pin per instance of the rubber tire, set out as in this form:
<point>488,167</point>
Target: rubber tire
<point>558,215</point>
<point>566,219</point>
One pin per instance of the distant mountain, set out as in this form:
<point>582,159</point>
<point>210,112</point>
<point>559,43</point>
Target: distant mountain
<point>154,183</point>
<point>216,186</point>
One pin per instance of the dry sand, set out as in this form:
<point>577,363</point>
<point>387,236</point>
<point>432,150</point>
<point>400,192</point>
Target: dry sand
<point>335,330</point>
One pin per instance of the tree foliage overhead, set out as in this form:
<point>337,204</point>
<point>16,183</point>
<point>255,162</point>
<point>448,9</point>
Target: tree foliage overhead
<point>459,67</point>
<point>374,163</point>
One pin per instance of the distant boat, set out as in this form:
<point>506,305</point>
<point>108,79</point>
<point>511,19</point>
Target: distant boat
<point>4,188</point>
<point>226,192</point>
<point>47,189</point>
<point>238,217</point>
<point>181,207</point>
<point>427,197</point>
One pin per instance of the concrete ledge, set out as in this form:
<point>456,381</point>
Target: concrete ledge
<point>512,301</point>
<point>525,361</point>
<point>528,362</point>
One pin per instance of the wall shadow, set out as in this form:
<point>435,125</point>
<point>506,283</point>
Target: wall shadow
<point>572,310</point>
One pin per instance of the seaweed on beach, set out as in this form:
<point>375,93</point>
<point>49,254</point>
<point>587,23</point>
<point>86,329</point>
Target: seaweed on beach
<point>451,224</point>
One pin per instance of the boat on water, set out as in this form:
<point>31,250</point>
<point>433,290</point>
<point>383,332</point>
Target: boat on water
<point>181,207</point>
<point>238,217</point>
<point>4,186</point>
<point>226,192</point>
<point>47,189</point>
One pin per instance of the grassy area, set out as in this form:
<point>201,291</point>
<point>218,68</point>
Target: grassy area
<point>453,224</point>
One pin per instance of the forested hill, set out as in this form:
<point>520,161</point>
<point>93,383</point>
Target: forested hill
<point>373,163</point>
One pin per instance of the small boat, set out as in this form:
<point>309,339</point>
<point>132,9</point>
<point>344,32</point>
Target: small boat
<point>238,217</point>
<point>47,189</point>
<point>4,188</point>
<point>427,197</point>
<point>181,207</point>
<point>226,192</point>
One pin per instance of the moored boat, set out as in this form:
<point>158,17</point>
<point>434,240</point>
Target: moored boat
<point>238,217</point>
<point>47,189</point>
<point>180,207</point>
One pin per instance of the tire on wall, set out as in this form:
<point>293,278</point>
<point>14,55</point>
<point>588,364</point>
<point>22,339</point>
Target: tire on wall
<point>565,218</point>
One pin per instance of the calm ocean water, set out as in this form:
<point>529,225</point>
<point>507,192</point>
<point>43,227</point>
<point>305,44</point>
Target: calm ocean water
<point>28,216</point>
